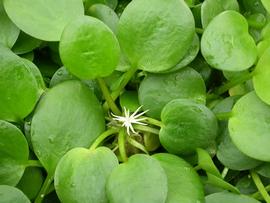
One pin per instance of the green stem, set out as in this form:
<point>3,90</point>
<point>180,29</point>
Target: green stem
<point>153,121</point>
<point>257,195</point>
<point>224,172</point>
<point>137,144</point>
<point>33,163</point>
<point>102,137</point>
<point>44,188</point>
<point>125,79</point>
<point>199,30</point>
<point>260,186</point>
<point>224,88</point>
<point>223,115</point>
<point>108,98</point>
<point>146,129</point>
<point>121,144</point>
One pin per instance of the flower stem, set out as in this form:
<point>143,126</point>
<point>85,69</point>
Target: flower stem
<point>102,137</point>
<point>257,195</point>
<point>107,96</point>
<point>260,186</point>
<point>146,129</point>
<point>153,121</point>
<point>121,144</point>
<point>44,188</point>
<point>33,163</point>
<point>224,88</point>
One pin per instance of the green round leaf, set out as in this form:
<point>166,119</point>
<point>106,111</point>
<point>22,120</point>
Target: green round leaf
<point>31,182</point>
<point>105,14</point>
<point>9,32</point>
<point>85,181</point>
<point>141,179</point>
<point>13,154</point>
<point>184,184</point>
<point>187,126</point>
<point>10,194</point>
<point>226,43</point>
<point>69,115</point>
<point>159,37</point>
<point>225,197</point>
<point>211,8</point>
<point>43,19</point>
<point>18,87</point>
<point>190,55</point>
<point>249,127</point>
<point>261,80</point>
<point>156,90</point>
<point>86,60</point>
<point>230,156</point>
<point>25,44</point>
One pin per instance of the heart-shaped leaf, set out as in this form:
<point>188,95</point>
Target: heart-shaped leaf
<point>261,77</point>
<point>249,127</point>
<point>81,175</point>
<point>226,43</point>
<point>141,179</point>
<point>86,60</point>
<point>159,37</point>
<point>9,32</point>
<point>225,197</point>
<point>10,194</point>
<point>43,19</point>
<point>184,184</point>
<point>156,90</point>
<point>69,115</point>
<point>187,126</point>
<point>18,87</point>
<point>13,154</point>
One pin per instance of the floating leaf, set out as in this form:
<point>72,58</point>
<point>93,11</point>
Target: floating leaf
<point>85,181</point>
<point>43,19</point>
<point>159,37</point>
<point>226,43</point>
<point>69,115</point>
<point>249,127</point>
<point>141,179</point>
<point>13,154</point>
<point>183,182</point>
<point>18,87</point>
<point>86,60</point>
<point>187,126</point>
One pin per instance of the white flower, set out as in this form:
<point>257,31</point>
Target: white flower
<point>127,120</point>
